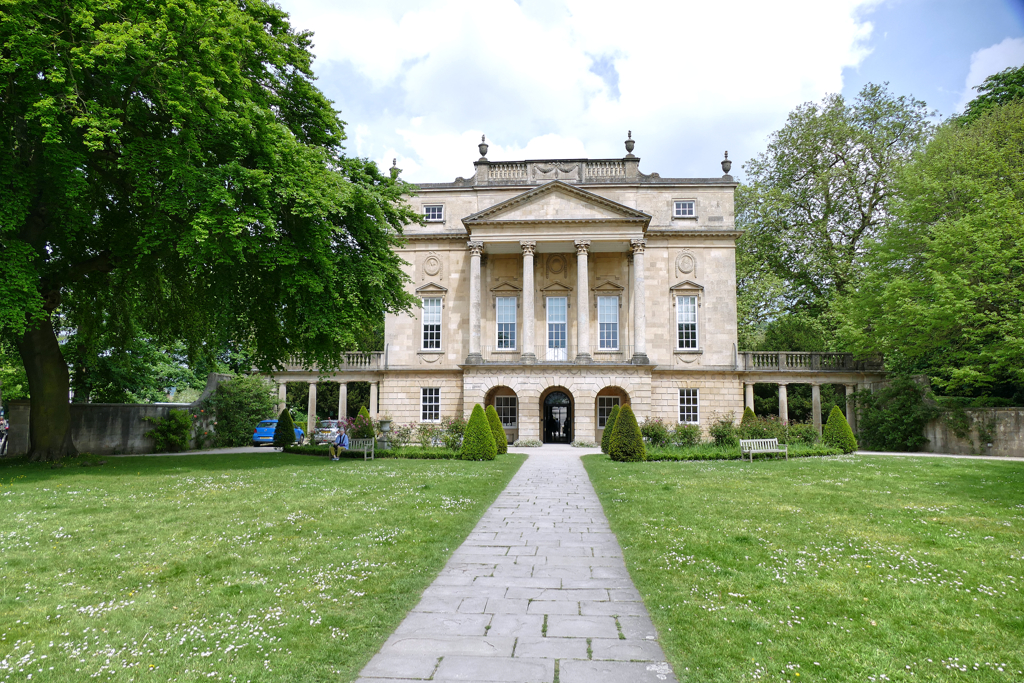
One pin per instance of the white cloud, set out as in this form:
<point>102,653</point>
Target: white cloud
<point>988,61</point>
<point>422,80</point>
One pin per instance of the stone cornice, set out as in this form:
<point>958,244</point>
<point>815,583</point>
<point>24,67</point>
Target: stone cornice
<point>625,213</point>
<point>695,232</point>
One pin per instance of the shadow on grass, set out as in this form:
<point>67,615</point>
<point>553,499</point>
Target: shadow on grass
<point>176,464</point>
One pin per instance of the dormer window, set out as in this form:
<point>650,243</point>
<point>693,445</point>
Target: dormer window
<point>684,208</point>
<point>434,213</point>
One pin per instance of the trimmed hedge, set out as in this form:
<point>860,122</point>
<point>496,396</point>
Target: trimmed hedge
<point>710,451</point>
<point>837,432</point>
<point>478,443</point>
<point>500,440</point>
<point>609,425</point>
<point>284,432</point>
<point>408,453</point>
<point>627,443</point>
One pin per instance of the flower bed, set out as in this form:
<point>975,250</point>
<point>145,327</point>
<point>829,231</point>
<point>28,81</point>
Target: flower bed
<point>711,451</point>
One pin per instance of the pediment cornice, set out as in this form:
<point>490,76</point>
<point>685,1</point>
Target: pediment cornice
<point>620,212</point>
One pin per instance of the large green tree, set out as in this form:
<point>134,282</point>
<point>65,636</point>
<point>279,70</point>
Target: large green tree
<point>821,189</point>
<point>169,169</point>
<point>945,295</point>
<point>998,89</point>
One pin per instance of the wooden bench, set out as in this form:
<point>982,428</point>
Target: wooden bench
<point>751,446</point>
<point>364,445</point>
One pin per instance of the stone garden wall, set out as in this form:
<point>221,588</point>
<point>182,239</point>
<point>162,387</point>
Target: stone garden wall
<point>1002,427</point>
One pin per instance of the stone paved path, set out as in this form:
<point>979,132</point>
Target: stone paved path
<point>538,587</point>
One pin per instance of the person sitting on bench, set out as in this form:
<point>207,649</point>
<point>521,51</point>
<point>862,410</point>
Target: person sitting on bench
<point>340,444</point>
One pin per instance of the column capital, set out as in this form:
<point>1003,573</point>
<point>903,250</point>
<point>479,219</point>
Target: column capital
<point>638,246</point>
<point>528,248</point>
<point>475,248</point>
<point>782,384</point>
<point>582,247</point>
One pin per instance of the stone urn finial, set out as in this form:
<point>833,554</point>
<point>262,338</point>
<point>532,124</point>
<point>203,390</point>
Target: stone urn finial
<point>726,164</point>
<point>630,142</point>
<point>483,146</point>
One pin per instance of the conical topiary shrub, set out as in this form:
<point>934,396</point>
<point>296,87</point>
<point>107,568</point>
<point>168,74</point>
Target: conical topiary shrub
<point>837,432</point>
<point>284,431</point>
<point>748,419</point>
<point>500,440</point>
<point>478,442</point>
<point>627,443</point>
<point>609,425</point>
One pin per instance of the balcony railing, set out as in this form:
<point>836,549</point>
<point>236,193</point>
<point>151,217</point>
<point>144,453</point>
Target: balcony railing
<point>352,362</point>
<point>801,361</point>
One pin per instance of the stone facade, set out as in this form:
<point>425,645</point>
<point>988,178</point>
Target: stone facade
<point>554,289</point>
<point>562,234</point>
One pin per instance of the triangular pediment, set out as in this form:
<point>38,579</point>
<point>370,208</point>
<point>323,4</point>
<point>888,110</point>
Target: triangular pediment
<point>556,286</point>
<point>506,288</point>
<point>557,202</point>
<point>609,287</point>
<point>431,288</point>
<point>685,284</point>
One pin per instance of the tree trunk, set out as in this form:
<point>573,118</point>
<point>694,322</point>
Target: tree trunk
<point>48,383</point>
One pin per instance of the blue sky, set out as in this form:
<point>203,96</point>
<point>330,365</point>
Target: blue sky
<point>421,80</point>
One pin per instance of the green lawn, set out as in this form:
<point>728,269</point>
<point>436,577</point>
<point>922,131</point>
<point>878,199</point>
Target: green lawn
<point>248,567</point>
<point>863,568</point>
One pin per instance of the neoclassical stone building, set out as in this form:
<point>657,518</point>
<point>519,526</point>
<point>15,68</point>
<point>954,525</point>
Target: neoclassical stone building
<point>556,289</point>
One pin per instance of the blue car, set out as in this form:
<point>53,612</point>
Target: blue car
<point>264,433</point>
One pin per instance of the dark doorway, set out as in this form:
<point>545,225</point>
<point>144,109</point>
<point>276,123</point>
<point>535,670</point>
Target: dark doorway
<point>557,418</point>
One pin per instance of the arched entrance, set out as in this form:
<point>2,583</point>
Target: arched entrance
<point>506,403</point>
<point>607,398</point>
<point>557,417</point>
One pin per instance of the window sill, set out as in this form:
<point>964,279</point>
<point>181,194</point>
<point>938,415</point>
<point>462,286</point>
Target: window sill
<point>685,218</point>
<point>430,352</point>
<point>608,351</point>
<point>687,351</point>
<point>505,351</point>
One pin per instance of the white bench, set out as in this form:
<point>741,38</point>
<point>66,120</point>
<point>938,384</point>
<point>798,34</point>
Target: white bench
<point>364,445</point>
<point>751,446</point>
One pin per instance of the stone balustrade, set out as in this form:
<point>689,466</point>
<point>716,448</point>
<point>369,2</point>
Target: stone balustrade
<point>800,361</point>
<point>354,361</point>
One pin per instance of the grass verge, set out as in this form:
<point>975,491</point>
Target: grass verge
<point>828,569</point>
<point>241,567</point>
<point>405,453</point>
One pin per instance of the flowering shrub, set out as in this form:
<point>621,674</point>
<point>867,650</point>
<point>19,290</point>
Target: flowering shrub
<point>686,435</point>
<point>528,443</point>
<point>452,430</point>
<point>583,444</point>
<point>362,426</point>
<point>654,431</point>
<point>400,436</point>
<point>723,431</point>
<point>427,433</point>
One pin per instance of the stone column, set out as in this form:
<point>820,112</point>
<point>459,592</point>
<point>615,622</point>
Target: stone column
<point>783,405</point>
<point>748,395</point>
<point>582,302</point>
<point>311,413</point>
<point>373,400</point>
<point>816,406</point>
<point>282,398</point>
<point>528,356</point>
<point>475,250</point>
<point>639,305</point>
<point>342,400</point>
<point>851,412</point>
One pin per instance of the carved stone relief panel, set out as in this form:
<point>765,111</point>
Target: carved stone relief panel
<point>686,263</point>
<point>556,265</point>
<point>432,266</point>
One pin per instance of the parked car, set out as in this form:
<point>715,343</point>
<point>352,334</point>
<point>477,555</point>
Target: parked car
<point>264,433</point>
<point>326,431</point>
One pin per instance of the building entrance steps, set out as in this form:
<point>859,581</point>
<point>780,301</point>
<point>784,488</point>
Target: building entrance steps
<point>540,583</point>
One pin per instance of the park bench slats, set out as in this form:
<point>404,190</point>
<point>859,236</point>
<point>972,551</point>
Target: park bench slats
<point>751,446</point>
<point>365,445</point>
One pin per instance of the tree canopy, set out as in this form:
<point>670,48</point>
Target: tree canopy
<point>945,291</point>
<point>821,189</point>
<point>1001,88</point>
<point>170,170</point>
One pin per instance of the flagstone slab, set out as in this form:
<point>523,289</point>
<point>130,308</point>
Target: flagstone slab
<point>540,580</point>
